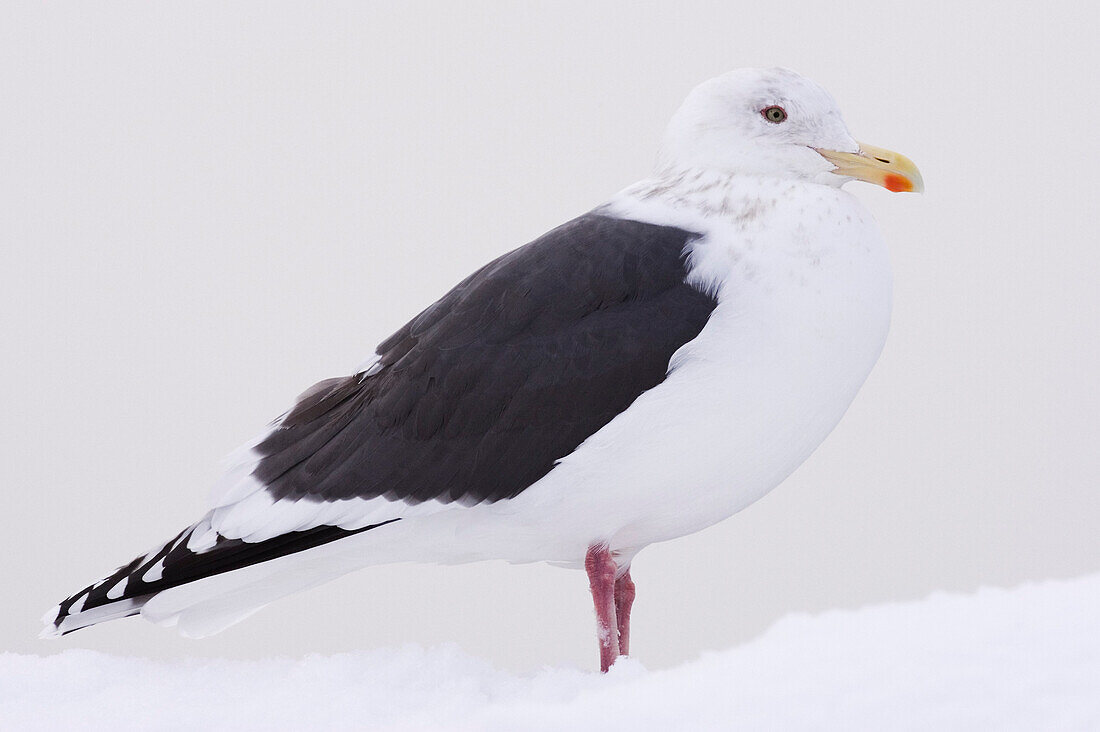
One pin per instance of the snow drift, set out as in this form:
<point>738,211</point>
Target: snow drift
<point>1026,659</point>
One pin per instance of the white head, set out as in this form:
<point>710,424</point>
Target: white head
<point>775,123</point>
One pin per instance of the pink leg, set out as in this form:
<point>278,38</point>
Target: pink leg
<point>601,578</point>
<point>624,598</point>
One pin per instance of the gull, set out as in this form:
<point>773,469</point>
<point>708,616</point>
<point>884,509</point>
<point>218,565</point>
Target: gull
<point>635,375</point>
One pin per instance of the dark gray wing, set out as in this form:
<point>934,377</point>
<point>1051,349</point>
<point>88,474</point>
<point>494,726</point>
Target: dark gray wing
<point>480,394</point>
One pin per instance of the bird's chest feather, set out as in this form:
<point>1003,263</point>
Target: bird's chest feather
<point>803,289</point>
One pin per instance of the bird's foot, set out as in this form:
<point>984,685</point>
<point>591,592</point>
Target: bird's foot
<point>624,599</point>
<point>601,579</point>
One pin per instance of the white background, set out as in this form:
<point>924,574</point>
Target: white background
<point>206,207</point>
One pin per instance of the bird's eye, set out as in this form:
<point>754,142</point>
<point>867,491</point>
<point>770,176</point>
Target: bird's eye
<point>774,114</point>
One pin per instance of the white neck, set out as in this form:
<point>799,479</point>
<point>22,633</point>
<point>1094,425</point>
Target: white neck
<point>743,217</point>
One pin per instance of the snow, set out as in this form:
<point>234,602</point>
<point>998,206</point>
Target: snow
<point>1026,658</point>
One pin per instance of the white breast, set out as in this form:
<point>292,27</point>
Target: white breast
<point>803,287</point>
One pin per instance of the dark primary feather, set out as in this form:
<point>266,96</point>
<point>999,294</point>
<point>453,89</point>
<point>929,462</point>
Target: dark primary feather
<point>181,565</point>
<point>510,371</point>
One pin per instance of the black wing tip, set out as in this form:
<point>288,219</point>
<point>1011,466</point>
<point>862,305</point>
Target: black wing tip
<point>181,566</point>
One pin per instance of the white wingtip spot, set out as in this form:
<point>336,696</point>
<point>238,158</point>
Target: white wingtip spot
<point>119,588</point>
<point>78,604</point>
<point>154,573</point>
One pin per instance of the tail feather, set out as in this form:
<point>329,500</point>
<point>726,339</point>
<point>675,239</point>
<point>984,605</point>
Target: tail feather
<point>203,608</point>
<point>194,554</point>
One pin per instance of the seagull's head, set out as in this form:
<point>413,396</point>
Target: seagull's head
<point>776,123</point>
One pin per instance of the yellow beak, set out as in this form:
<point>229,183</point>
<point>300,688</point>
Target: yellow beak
<point>893,171</point>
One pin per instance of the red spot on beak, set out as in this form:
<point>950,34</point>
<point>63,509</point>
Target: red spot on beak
<point>897,183</point>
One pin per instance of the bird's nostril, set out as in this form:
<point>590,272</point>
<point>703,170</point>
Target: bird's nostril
<point>883,160</point>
